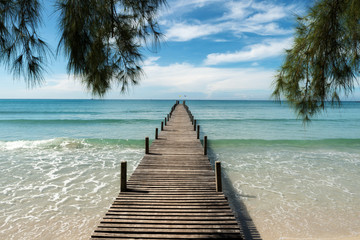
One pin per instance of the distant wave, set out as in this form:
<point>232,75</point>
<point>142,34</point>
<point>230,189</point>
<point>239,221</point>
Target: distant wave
<point>10,112</point>
<point>336,142</point>
<point>139,143</point>
<point>78,121</point>
<point>69,143</point>
<point>273,120</point>
<point>48,112</point>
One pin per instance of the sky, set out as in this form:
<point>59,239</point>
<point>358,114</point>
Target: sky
<point>212,49</point>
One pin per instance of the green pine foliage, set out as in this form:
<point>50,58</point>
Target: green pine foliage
<point>101,39</point>
<point>22,50</point>
<point>323,63</point>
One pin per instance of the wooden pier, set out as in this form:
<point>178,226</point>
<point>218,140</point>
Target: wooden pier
<point>174,193</point>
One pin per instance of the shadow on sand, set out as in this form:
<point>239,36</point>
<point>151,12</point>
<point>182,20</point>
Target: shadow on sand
<point>247,226</point>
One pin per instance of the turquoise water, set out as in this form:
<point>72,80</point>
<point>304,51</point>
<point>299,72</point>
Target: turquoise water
<point>59,163</point>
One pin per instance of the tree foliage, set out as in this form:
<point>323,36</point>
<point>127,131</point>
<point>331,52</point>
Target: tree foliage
<point>22,50</point>
<point>324,61</point>
<point>101,39</point>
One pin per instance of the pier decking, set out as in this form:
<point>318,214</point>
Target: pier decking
<point>172,194</point>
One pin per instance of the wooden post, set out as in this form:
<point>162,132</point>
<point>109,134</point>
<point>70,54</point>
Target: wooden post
<point>156,133</point>
<point>195,125</point>
<point>165,121</point>
<point>184,102</point>
<point>168,117</point>
<point>147,145</point>
<point>162,126</point>
<point>205,145</point>
<point>218,176</point>
<point>123,176</point>
<point>198,132</point>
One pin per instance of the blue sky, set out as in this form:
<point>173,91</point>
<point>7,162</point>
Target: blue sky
<point>213,49</point>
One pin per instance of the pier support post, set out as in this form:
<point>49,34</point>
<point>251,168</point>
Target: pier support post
<point>147,145</point>
<point>205,145</point>
<point>218,176</point>
<point>156,133</point>
<point>162,126</point>
<point>168,117</point>
<point>195,125</point>
<point>123,176</point>
<point>165,121</point>
<point>198,132</point>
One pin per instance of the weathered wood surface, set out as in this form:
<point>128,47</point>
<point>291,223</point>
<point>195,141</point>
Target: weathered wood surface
<point>172,193</point>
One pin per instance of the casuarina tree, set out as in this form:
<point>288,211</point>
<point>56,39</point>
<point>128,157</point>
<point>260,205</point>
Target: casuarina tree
<point>323,63</point>
<point>102,40</point>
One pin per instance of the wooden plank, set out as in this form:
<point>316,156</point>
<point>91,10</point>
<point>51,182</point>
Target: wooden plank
<point>165,230</point>
<point>169,226</point>
<point>178,222</point>
<point>172,193</point>
<point>102,235</point>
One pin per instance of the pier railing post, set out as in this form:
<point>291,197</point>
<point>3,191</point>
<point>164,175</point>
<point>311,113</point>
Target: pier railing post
<point>198,132</point>
<point>123,170</point>
<point>165,121</point>
<point>168,117</point>
<point>218,176</point>
<point>147,145</point>
<point>205,145</point>
<point>195,125</point>
<point>162,126</point>
<point>156,133</point>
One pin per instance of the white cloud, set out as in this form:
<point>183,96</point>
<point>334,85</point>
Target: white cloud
<point>186,32</point>
<point>266,49</point>
<point>150,60</point>
<point>63,83</point>
<point>56,86</point>
<point>271,14</point>
<point>239,17</point>
<point>185,77</point>
<point>237,10</point>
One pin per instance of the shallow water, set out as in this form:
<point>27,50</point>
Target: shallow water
<point>59,164</point>
<point>59,188</point>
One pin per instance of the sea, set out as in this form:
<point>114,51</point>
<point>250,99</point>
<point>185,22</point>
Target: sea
<point>60,164</point>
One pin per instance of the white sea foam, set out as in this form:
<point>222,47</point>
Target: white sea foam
<point>299,193</point>
<point>50,183</point>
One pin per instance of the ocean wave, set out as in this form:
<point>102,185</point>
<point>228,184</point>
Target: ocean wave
<point>78,121</point>
<point>57,143</point>
<point>336,142</point>
<point>48,112</point>
<point>277,120</point>
<point>138,143</point>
